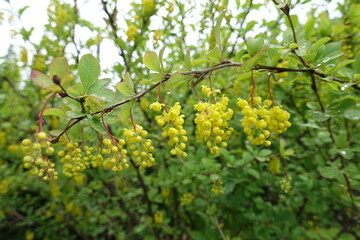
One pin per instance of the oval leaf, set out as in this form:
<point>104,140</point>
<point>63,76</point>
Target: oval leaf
<point>152,62</point>
<point>59,66</point>
<point>89,70</point>
<point>54,112</point>
<point>96,124</point>
<point>41,79</point>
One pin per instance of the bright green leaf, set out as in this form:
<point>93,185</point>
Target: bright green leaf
<point>89,70</point>
<point>59,66</point>
<point>319,43</point>
<point>54,112</point>
<point>217,29</point>
<point>214,54</point>
<point>152,62</point>
<point>342,64</point>
<point>175,80</point>
<point>254,45</point>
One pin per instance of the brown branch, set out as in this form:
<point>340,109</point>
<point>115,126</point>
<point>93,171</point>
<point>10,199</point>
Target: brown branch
<point>111,19</point>
<point>195,74</point>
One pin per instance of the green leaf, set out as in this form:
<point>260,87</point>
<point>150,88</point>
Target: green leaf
<point>161,55</point>
<point>329,172</point>
<point>22,10</point>
<point>356,64</point>
<point>254,173</point>
<point>89,70</point>
<point>100,84</point>
<point>352,114</point>
<point>127,86</point>
<point>331,56</point>
<point>175,80</point>
<point>59,66</point>
<point>250,26</point>
<point>342,64</point>
<point>187,62</point>
<point>104,94</point>
<point>154,78</point>
<point>346,153</point>
<point>243,76</point>
<point>319,43</point>
<point>54,112</point>
<point>129,82</point>
<point>254,45</point>
<point>214,54</point>
<point>217,29</point>
<point>41,79</point>
<point>96,124</point>
<point>71,114</point>
<point>264,153</point>
<point>152,62</point>
<point>313,105</point>
<point>320,116</point>
<point>346,236</point>
<point>249,64</point>
<point>202,61</point>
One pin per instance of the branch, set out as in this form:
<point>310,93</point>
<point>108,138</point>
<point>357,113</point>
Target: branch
<point>196,74</point>
<point>112,18</point>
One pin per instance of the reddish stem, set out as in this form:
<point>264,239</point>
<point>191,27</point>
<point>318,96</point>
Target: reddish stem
<point>132,119</point>
<point>269,91</point>
<point>211,87</point>
<point>197,94</point>
<point>160,98</point>
<point>107,129</point>
<point>40,115</point>
<point>252,88</point>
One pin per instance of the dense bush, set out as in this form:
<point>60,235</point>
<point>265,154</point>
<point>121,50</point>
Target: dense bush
<point>250,132</point>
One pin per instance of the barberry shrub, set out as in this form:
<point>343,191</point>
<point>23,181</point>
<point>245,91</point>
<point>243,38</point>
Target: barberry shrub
<point>210,124</point>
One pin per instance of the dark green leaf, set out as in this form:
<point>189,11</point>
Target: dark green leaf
<point>352,114</point>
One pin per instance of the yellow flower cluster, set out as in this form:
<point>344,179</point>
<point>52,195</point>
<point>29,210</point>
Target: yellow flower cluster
<point>95,160</point>
<point>158,217</point>
<point>148,5</point>
<point>158,35</point>
<point>72,158</point>
<point>131,32</point>
<point>347,50</point>
<point>186,199</point>
<point>212,121</point>
<point>2,138</point>
<point>274,165</point>
<point>140,147</point>
<point>170,7</point>
<point>38,62</point>
<point>24,55</point>
<point>217,187</point>
<point>173,122</point>
<point>285,184</point>
<point>4,186</point>
<point>117,160</point>
<point>34,159</point>
<point>262,119</point>
<point>283,64</point>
